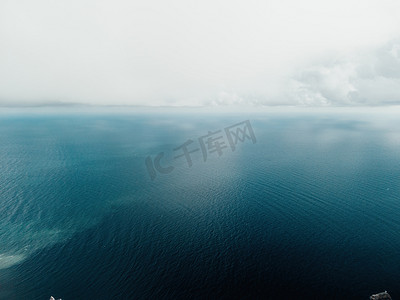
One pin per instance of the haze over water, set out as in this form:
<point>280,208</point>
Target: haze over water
<point>312,209</point>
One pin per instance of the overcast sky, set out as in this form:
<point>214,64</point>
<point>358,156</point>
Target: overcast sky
<point>209,52</point>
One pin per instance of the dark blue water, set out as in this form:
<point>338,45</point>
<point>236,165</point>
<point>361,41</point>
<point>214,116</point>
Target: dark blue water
<point>312,209</point>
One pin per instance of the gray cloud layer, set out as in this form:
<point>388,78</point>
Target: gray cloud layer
<point>194,53</point>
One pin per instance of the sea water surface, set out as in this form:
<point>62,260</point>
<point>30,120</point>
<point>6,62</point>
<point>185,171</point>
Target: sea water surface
<point>309,211</point>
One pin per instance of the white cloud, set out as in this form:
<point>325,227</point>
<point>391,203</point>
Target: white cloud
<point>324,85</point>
<point>363,79</point>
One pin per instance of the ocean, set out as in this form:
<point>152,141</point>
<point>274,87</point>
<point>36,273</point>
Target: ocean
<point>301,205</point>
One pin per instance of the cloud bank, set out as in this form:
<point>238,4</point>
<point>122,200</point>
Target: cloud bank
<point>195,53</point>
<point>371,78</point>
